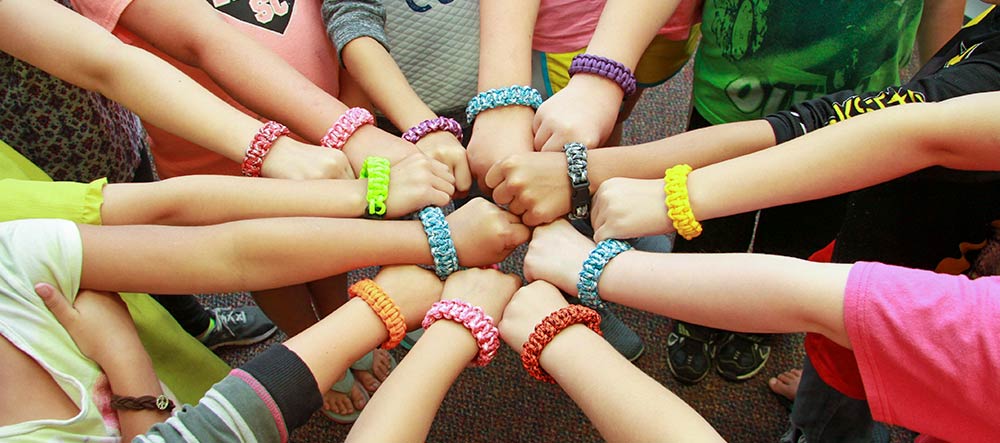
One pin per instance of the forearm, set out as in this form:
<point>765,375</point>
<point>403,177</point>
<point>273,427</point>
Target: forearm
<point>698,148</point>
<point>403,412</point>
<point>377,73</point>
<point>505,32</point>
<point>633,397</point>
<point>739,292</point>
<point>627,26</point>
<point>245,255</point>
<point>940,20</point>
<point>184,200</point>
<point>132,375</point>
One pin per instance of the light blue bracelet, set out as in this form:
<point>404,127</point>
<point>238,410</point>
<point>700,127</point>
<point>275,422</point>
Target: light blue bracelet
<point>593,266</point>
<point>439,238</point>
<point>495,98</point>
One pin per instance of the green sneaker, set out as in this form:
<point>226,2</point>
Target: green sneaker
<point>690,349</point>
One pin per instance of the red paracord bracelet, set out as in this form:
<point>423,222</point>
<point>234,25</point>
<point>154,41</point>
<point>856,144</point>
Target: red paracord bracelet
<point>259,147</point>
<point>472,317</point>
<point>384,307</point>
<point>345,126</point>
<point>548,329</point>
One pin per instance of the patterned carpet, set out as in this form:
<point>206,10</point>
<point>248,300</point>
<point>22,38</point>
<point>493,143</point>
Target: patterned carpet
<point>501,403</point>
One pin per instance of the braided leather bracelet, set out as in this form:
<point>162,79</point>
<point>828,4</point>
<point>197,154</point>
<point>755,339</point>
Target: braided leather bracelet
<point>678,203</point>
<point>376,170</point>
<point>548,329</point>
<point>576,163</point>
<point>439,238</point>
<point>260,146</point>
<point>604,67</point>
<point>384,307</point>
<point>158,403</point>
<point>345,126</point>
<point>593,267</point>
<point>472,317</point>
<point>425,127</point>
<point>498,97</point>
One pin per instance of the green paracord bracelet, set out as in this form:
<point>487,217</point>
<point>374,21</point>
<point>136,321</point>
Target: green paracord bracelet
<point>376,170</point>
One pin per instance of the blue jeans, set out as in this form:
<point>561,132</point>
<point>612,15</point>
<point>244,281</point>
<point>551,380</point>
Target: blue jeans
<point>822,414</point>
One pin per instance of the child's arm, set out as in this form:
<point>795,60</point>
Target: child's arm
<point>632,408</point>
<point>192,32</point>
<point>408,400</point>
<point>417,181</point>
<point>101,327</point>
<point>860,152</point>
<point>739,292</point>
<point>586,109</point>
<point>267,253</point>
<point>370,64</point>
<point>505,34</point>
<point>76,50</point>
<point>938,23</point>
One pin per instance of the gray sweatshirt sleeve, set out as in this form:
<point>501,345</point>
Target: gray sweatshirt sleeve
<point>347,20</point>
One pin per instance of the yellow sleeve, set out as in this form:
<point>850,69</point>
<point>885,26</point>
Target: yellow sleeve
<point>78,202</point>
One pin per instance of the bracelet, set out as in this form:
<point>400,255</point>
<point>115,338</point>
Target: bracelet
<point>384,307</point>
<point>345,126</point>
<point>593,266</point>
<point>158,403</point>
<point>498,97</point>
<point>576,162</point>
<point>425,127</point>
<point>260,146</point>
<point>439,238</point>
<point>472,317</point>
<point>678,203</point>
<point>376,170</point>
<point>548,329</point>
<point>604,67</point>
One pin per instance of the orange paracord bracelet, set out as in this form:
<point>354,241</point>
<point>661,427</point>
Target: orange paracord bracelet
<point>548,329</point>
<point>384,307</point>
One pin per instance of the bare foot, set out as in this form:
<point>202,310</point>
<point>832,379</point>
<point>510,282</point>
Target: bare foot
<point>344,404</point>
<point>786,383</point>
<point>372,379</point>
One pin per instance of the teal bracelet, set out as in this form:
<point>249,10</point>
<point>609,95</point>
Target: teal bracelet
<point>593,266</point>
<point>376,170</point>
<point>495,98</point>
<point>439,238</point>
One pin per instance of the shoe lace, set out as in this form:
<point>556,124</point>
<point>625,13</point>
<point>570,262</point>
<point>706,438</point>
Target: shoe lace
<point>227,319</point>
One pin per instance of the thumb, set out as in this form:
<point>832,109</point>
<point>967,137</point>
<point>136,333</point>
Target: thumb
<point>56,303</point>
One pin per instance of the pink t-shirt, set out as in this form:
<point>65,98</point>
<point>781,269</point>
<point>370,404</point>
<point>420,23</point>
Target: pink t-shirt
<point>293,30</point>
<point>928,347</point>
<point>567,25</point>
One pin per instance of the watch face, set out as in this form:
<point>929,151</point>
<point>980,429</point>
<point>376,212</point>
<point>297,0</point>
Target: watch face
<point>272,15</point>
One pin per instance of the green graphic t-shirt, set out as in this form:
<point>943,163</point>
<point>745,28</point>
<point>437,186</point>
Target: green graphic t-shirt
<point>760,56</point>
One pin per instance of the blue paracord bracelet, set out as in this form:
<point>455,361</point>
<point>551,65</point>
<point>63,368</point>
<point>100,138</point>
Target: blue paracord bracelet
<point>439,238</point>
<point>495,98</point>
<point>593,266</point>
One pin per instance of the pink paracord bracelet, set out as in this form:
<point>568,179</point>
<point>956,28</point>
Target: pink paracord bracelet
<point>259,147</point>
<point>345,126</point>
<point>472,317</point>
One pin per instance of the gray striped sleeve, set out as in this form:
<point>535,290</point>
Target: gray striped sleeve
<point>347,20</point>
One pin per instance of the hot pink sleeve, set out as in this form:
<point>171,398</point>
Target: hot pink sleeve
<point>103,12</point>
<point>928,348</point>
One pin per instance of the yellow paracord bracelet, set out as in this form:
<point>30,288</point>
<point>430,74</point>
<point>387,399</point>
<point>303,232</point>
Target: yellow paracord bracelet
<point>678,204</point>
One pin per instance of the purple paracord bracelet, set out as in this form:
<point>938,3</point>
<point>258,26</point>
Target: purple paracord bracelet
<point>604,67</point>
<point>425,127</point>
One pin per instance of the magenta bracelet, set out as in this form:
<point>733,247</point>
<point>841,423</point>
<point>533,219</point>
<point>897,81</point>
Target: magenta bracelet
<point>604,67</point>
<point>260,146</point>
<point>425,127</point>
<point>472,317</point>
<point>345,126</point>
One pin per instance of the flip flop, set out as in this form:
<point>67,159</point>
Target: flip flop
<point>344,387</point>
<point>367,363</point>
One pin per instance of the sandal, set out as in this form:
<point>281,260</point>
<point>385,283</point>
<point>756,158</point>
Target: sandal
<point>344,387</point>
<point>367,363</point>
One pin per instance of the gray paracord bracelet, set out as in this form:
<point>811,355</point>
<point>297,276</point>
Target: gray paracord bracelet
<point>576,160</point>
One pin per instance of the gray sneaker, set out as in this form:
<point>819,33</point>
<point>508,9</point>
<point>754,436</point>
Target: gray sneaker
<point>238,326</point>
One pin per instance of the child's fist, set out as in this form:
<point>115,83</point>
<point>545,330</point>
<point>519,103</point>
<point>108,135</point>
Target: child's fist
<point>484,233</point>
